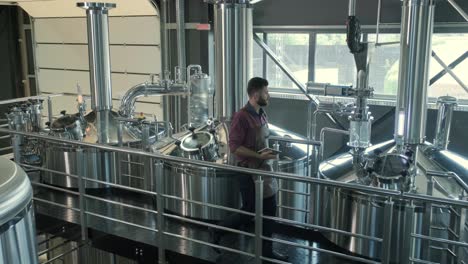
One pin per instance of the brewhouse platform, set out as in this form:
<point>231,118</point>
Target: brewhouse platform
<point>126,239</point>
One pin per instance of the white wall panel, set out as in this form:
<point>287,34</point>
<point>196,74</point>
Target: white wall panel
<point>62,44</point>
<point>60,30</point>
<point>134,30</point>
<point>62,56</point>
<point>141,59</point>
<point>67,8</point>
<point>122,30</point>
<point>54,81</point>
<point>133,59</point>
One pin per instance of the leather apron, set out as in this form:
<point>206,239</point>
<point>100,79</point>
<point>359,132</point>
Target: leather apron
<point>262,132</point>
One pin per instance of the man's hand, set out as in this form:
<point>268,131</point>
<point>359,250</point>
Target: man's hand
<point>248,153</point>
<point>267,155</point>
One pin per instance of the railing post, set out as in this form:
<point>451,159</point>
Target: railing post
<point>16,144</point>
<point>81,169</point>
<point>387,231</point>
<point>279,205</point>
<point>258,219</point>
<point>427,219</point>
<point>408,244</point>
<point>462,255</point>
<point>159,181</point>
<point>119,156</point>
<point>315,190</point>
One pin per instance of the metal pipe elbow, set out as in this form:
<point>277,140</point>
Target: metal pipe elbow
<point>127,103</point>
<point>146,89</point>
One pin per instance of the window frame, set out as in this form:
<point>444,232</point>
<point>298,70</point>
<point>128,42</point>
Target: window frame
<point>377,99</point>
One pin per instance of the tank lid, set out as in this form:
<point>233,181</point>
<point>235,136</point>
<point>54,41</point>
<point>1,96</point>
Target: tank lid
<point>447,100</point>
<point>15,190</point>
<point>196,141</point>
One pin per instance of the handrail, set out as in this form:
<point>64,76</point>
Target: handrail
<point>157,159</point>
<point>279,175</point>
<point>36,97</point>
<point>298,141</point>
<point>230,168</point>
<point>449,175</point>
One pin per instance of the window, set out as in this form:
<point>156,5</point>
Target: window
<point>293,50</point>
<point>257,60</point>
<point>333,61</point>
<point>449,47</point>
<point>383,73</point>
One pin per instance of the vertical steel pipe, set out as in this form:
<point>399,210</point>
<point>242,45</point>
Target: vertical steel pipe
<point>415,54</point>
<point>352,8</point>
<point>446,104</point>
<point>164,57</point>
<point>233,55</point>
<point>99,54</point>
<point>180,22</point>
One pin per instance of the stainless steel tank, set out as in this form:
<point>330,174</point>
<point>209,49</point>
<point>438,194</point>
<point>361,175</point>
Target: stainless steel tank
<point>201,184</point>
<point>293,196</point>
<point>96,164</point>
<point>17,229</point>
<point>364,213</point>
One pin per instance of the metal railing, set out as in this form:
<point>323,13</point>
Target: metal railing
<point>162,233</point>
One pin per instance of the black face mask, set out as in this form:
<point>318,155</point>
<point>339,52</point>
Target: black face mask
<point>262,102</point>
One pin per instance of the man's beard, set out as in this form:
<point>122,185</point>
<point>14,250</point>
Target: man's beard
<point>262,102</point>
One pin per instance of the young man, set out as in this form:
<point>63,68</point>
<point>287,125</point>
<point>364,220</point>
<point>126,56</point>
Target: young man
<point>248,135</point>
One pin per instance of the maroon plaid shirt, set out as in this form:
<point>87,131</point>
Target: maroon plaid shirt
<point>243,131</point>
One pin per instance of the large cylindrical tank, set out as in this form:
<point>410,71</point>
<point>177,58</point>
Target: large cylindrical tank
<point>94,163</point>
<point>293,196</point>
<point>196,183</point>
<point>218,187</point>
<point>363,213</point>
<point>17,229</point>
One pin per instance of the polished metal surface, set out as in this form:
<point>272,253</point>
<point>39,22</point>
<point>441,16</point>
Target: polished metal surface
<point>18,242</point>
<point>207,185</point>
<point>17,232</point>
<point>352,8</point>
<point>446,104</point>
<point>442,192</point>
<point>99,54</point>
<point>448,160</point>
<point>181,56</point>
<point>362,213</point>
<point>199,145</point>
<point>293,196</point>
<point>127,105</point>
<point>197,183</point>
<point>233,55</point>
<point>65,159</point>
<point>415,53</point>
<point>15,190</point>
<point>100,165</point>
